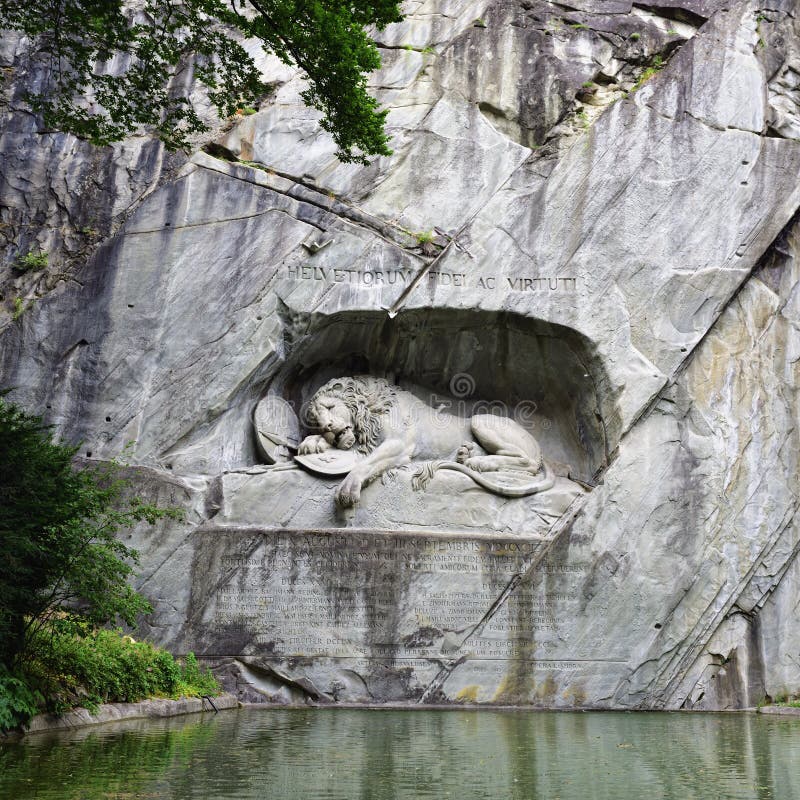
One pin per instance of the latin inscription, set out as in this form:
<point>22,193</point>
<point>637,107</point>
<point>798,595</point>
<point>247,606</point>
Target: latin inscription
<point>397,598</point>
<point>400,277</point>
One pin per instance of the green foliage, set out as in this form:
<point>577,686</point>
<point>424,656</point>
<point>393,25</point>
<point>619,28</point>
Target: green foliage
<point>31,262</point>
<point>410,48</point>
<point>63,574</point>
<point>74,667</point>
<point>80,39</point>
<point>634,37</point>
<point>71,669</point>
<point>656,65</point>
<point>18,702</point>
<point>424,237</point>
<point>19,308</point>
<point>578,26</point>
<point>71,665</point>
<point>195,681</point>
<point>786,700</point>
<point>57,536</point>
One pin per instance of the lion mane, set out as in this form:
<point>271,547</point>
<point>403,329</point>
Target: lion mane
<point>366,398</point>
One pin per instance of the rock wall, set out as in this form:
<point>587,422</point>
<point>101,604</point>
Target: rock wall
<point>590,219</point>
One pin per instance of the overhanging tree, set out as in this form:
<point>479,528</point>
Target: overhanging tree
<point>114,67</point>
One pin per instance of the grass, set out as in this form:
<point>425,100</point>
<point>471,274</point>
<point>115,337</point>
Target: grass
<point>19,308</point>
<point>786,701</point>
<point>656,65</point>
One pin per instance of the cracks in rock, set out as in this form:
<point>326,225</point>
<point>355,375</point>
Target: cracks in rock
<point>168,557</point>
<point>560,527</point>
<point>255,672</point>
<point>225,221</point>
<point>709,124</point>
<point>694,644</point>
<point>305,192</point>
<point>787,563</point>
<point>779,241</point>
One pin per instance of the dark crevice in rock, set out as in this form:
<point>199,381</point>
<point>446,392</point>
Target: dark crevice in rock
<point>676,12</point>
<point>766,260</point>
<point>308,193</point>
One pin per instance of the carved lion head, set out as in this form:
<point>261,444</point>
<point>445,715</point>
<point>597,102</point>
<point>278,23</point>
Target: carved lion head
<point>365,398</point>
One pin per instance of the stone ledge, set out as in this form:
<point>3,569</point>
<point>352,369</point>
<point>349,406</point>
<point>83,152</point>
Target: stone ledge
<point>788,711</point>
<point>112,712</point>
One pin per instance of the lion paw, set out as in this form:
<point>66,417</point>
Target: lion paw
<point>465,452</point>
<point>479,463</point>
<point>348,493</point>
<point>313,444</point>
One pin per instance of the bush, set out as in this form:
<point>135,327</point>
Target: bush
<point>101,667</point>
<point>31,262</point>
<point>18,702</point>
<point>195,681</point>
<point>58,530</point>
<point>72,667</point>
<point>63,575</point>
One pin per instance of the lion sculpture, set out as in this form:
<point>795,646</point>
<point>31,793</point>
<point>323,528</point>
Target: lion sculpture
<point>391,427</point>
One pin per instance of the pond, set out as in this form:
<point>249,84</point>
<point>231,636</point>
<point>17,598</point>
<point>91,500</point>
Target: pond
<point>341,754</point>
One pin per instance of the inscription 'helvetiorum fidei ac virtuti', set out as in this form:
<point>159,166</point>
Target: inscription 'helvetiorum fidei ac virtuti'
<point>403,277</point>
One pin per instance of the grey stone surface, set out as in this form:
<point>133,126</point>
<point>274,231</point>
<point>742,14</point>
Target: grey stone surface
<point>612,254</point>
<point>787,711</point>
<point>118,712</point>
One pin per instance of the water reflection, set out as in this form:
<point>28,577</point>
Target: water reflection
<point>396,755</point>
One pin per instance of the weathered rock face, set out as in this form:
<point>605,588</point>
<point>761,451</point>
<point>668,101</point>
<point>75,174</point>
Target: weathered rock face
<point>589,225</point>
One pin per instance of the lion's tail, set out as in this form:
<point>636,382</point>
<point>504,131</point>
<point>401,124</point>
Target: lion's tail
<point>424,475</point>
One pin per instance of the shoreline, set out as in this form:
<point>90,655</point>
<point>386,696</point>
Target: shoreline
<point>160,708</point>
<point>154,708</point>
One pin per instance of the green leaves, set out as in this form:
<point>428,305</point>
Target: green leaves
<point>18,701</point>
<point>327,39</point>
<point>57,536</point>
<point>71,665</point>
<point>112,71</point>
<point>64,573</point>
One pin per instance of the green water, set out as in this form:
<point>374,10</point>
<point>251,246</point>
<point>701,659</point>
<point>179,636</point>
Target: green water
<point>389,755</point>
